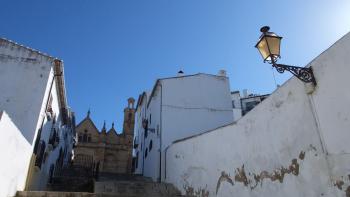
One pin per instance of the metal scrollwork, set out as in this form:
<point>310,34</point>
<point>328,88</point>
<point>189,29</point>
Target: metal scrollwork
<point>304,74</point>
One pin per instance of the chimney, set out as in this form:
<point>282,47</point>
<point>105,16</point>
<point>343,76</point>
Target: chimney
<point>222,73</point>
<point>245,93</point>
<point>180,73</point>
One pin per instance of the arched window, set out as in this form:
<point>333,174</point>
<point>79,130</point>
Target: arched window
<point>89,138</point>
<point>80,138</point>
<point>85,136</point>
<point>146,152</point>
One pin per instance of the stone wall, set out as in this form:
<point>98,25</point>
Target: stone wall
<point>292,144</point>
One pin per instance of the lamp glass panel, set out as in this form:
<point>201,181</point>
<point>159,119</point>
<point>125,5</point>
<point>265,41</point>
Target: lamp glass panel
<point>263,48</point>
<point>274,45</point>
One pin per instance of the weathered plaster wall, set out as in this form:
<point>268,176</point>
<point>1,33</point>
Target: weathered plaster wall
<point>15,157</point>
<point>292,144</point>
<point>27,79</point>
<point>24,77</point>
<point>181,107</point>
<point>193,105</point>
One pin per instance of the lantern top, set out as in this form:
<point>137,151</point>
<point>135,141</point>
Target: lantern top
<point>265,29</point>
<point>265,32</point>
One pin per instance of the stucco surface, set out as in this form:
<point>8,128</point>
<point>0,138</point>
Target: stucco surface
<point>181,107</point>
<point>24,76</point>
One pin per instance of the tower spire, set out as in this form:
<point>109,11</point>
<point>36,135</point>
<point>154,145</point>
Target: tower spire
<point>88,113</point>
<point>104,127</point>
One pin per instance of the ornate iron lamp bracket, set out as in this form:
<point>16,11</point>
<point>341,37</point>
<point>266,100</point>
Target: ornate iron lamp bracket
<point>302,73</point>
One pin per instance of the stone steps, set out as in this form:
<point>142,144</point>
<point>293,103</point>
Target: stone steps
<point>81,194</point>
<point>108,185</point>
<point>136,188</point>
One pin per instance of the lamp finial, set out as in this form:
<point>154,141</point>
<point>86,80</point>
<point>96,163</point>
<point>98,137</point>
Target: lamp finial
<point>265,29</point>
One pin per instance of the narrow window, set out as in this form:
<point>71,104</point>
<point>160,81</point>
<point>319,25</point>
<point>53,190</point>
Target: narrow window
<point>146,152</point>
<point>89,138</point>
<point>85,137</point>
<point>150,145</point>
<point>137,160</point>
<point>52,168</point>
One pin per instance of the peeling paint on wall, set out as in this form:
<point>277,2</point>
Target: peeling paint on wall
<point>223,178</point>
<point>254,179</point>
<point>190,191</point>
<point>341,182</point>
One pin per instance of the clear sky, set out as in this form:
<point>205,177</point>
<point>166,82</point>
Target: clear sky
<point>115,49</point>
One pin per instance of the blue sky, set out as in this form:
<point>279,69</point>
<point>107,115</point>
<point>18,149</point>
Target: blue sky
<point>113,50</point>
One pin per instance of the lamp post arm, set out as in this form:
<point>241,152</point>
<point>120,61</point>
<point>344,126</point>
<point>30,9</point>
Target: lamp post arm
<point>302,73</point>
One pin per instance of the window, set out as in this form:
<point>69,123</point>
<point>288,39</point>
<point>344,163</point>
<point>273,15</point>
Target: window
<point>80,138</point>
<point>89,138</point>
<point>49,104</point>
<point>52,168</point>
<point>40,153</point>
<point>150,118</point>
<point>150,145</point>
<point>85,136</point>
<point>146,132</point>
<point>233,104</point>
<point>137,160</point>
<point>146,152</point>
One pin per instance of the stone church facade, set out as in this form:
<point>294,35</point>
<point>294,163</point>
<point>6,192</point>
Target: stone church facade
<point>110,151</point>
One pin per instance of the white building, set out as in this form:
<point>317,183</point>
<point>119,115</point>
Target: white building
<point>177,107</point>
<point>33,97</point>
<point>241,105</point>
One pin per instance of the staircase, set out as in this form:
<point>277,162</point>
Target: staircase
<point>72,179</point>
<point>109,185</point>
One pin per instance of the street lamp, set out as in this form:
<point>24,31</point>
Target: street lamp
<point>269,48</point>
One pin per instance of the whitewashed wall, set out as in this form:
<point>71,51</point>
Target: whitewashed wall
<point>15,157</point>
<point>181,107</point>
<point>193,105</point>
<point>151,163</point>
<point>292,144</point>
<point>24,77</point>
<point>139,133</point>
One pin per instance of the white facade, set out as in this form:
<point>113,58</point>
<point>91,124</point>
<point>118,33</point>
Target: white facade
<point>177,108</point>
<point>295,143</point>
<point>33,95</point>
<point>15,163</point>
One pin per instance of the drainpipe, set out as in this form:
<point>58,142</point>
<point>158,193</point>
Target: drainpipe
<point>165,157</point>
